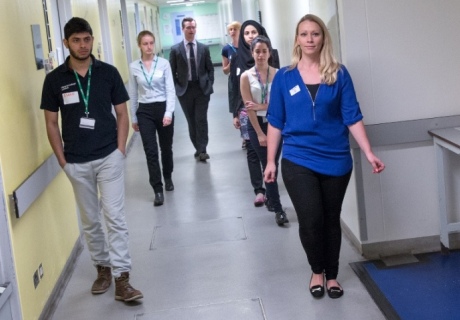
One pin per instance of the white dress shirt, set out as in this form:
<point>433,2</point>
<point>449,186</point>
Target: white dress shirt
<point>161,87</point>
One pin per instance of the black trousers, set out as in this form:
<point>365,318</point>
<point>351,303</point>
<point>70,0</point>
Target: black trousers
<point>272,191</point>
<point>195,106</point>
<point>255,169</point>
<point>150,121</point>
<point>317,200</point>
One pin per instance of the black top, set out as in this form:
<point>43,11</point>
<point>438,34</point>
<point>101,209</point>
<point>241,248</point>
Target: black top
<point>313,89</point>
<point>107,89</point>
<point>245,58</point>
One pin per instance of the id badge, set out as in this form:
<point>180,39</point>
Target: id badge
<point>70,97</point>
<point>87,123</point>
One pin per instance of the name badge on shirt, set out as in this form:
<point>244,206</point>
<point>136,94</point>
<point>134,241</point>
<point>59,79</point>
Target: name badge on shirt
<point>158,73</point>
<point>294,90</point>
<point>87,123</point>
<point>71,97</point>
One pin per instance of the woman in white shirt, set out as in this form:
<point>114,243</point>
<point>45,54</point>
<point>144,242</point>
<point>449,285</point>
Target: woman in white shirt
<point>255,85</point>
<point>151,89</point>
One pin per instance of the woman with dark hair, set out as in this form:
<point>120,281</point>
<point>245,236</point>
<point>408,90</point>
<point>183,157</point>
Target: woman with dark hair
<point>255,87</point>
<point>313,108</point>
<point>151,88</point>
<point>243,61</point>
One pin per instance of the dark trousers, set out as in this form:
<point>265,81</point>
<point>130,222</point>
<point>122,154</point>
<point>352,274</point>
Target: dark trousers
<point>230,96</point>
<point>255,169</point>
<point>272,192</point>
<point>195,106</point>
<point>150,121</point>
<point>317,199</point>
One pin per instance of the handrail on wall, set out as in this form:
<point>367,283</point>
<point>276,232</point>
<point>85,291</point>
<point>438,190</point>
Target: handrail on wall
<point>23,197</point>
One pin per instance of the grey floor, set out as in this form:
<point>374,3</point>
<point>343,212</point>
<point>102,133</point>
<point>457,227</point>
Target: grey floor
<point>208,253</point>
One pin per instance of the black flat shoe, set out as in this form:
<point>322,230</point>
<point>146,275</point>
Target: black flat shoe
<point>316,291</point>
<point>334,292</point>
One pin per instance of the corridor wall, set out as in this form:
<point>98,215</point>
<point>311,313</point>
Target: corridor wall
<point>404,64</point>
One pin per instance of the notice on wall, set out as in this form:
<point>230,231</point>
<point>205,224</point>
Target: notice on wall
<point>207,27</point>
<point>167,29</point>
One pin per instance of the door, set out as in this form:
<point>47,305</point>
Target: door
<point>176,24</point>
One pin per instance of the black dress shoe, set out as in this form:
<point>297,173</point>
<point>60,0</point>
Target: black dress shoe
<point>281,218</point>
<point>169,185</point>
<point>203,156</point>
<point>159,199</point>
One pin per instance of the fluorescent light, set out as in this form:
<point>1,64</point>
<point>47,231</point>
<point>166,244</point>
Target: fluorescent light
<point>187,4</point>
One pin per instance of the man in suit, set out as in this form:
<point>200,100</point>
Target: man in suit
<point>193,75</point>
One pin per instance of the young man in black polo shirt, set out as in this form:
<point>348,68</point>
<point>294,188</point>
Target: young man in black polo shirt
<point>84,90</point>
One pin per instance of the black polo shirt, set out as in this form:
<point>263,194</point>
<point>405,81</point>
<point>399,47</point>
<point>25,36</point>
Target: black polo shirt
<point>61,92</point>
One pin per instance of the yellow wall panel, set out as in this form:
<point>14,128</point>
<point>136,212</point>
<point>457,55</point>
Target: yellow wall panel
<point>89,10</point>
<point>118,46</point>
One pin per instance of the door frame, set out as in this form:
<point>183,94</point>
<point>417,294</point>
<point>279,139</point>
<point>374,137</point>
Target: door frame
<point>7,268</point>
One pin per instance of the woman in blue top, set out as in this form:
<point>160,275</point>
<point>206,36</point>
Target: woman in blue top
<point>313,107</point>
<point>153,98</point>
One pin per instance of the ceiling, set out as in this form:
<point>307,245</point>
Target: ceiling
<point>162,3</point>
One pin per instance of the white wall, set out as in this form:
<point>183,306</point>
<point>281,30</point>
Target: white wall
<point>327,11</point>
<point>226,16</point>
<point>280,19</point>
<point>406,53</point>
<point>250,9</point>
<point>405,67</point>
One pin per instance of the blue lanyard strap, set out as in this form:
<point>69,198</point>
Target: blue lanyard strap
<point>231,46</point>
<point>264,89</point>
<point>85,97</point>
<point>149,81</point>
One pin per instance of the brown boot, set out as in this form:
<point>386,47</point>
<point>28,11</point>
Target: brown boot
<point>103,281</point>
<point>124,291</point>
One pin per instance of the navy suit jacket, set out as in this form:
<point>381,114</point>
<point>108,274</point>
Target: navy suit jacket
<point>179,68</point>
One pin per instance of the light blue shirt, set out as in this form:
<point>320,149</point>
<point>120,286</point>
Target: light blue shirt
<point>161,87</point>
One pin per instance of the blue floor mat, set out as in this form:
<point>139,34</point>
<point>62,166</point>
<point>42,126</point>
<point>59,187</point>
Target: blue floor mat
<point>427,289</point>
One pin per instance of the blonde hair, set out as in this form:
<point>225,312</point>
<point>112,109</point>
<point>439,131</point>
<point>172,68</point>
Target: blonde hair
<point>234,24</point>
<point>328,64</point>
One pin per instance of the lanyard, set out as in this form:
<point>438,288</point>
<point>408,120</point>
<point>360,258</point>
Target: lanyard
<point>85,97</point>
<point>231,46</point>
<point>264,89</point>
<point>149,82</point>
